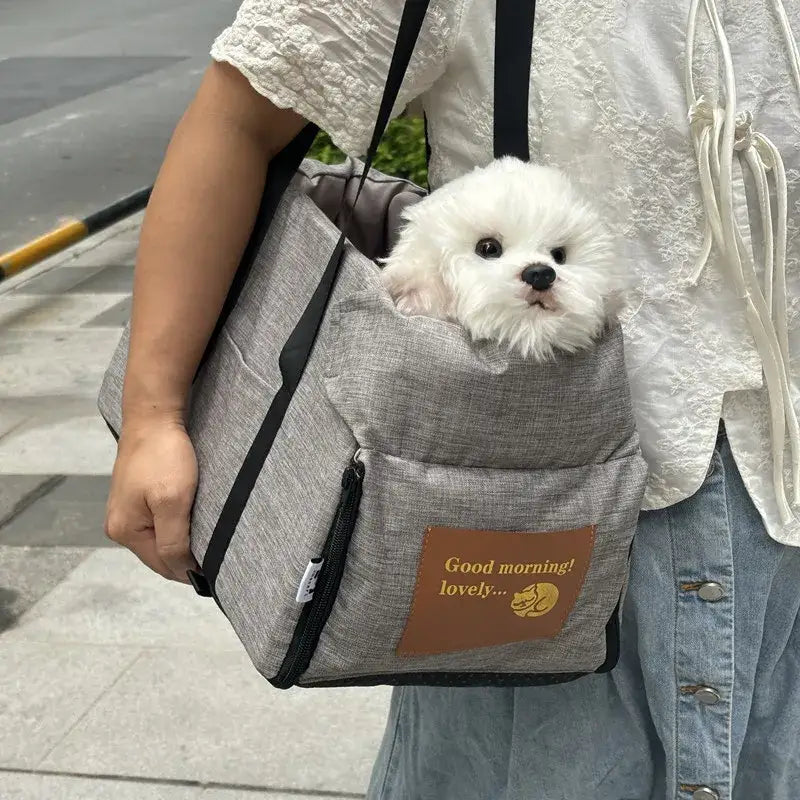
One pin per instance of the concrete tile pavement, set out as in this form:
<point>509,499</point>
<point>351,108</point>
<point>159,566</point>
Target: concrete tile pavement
<point>22,786</point>
<point>69,512</point>
<point>28,573</point>
<point>113,682</point>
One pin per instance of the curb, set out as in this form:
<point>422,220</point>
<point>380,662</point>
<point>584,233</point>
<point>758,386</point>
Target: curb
<point>72,255</point>
<point>70,232</point>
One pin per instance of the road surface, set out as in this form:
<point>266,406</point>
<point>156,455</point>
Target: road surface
<point>89,95</point>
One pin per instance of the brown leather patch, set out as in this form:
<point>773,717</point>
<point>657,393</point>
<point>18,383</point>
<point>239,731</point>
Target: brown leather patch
<point>484,588</point>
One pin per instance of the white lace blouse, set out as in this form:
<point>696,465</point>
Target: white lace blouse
<point>681,119</point>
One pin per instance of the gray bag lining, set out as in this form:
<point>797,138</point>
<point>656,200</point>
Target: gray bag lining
<point>376,219</point>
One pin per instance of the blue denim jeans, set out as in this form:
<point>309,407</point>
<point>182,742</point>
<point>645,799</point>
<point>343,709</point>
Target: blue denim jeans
<point>706,693</point>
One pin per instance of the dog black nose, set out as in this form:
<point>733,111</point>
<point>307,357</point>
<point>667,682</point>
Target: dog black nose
<point>539,276</point>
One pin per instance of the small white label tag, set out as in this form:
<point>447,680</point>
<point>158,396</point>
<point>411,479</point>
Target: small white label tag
<point>305,591</point>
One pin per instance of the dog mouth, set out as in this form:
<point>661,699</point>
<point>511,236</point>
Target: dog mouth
<point>541,300</point>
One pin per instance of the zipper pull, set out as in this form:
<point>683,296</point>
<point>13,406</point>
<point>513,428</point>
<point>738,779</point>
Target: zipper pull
<point>305,591</point>
<point>353,474</point>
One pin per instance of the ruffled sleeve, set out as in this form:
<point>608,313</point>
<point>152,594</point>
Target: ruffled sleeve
<point>328,59</point>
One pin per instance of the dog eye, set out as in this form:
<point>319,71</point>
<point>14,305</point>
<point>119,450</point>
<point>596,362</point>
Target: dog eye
<point>489,248</point>
<point>559,255</point>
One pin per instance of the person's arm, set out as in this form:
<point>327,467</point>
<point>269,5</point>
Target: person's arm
<point>202,210</point>
<point>195,229</point>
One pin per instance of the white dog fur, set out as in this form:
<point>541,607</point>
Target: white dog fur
<point>531,211</point>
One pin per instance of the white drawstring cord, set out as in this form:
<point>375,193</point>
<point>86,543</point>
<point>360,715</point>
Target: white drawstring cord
<point>767,148</point>
<point>701,111</point>
<point>769,157</point>
<point>762,190</point>
<point>717,134</point>
<point>791,42</point>
<point>773,156</point>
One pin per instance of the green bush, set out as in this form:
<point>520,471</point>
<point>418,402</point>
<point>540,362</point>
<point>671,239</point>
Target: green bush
<point>400,153</point>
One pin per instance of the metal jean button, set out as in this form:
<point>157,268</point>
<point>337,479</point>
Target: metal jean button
<point>707,696</point>
<point>711,592</point>
<point>704,793</point>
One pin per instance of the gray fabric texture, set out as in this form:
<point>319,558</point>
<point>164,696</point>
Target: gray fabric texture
<point>452,432</point>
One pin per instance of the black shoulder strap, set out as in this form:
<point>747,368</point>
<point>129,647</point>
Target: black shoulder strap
<point>297,350</point>
<point>513,44</point>
<point>282,168</point>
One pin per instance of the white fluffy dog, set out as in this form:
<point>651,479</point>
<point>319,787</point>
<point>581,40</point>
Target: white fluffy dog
<point>514,254</point>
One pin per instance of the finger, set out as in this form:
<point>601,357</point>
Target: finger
<point>171,523</point>
<point>147,553</point>
<point>139,539</point>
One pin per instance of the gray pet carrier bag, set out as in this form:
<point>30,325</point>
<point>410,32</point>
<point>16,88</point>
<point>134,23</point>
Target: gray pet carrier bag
<point>382,500</point>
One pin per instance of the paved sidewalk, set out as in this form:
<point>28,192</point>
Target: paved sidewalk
<point>114,683</point>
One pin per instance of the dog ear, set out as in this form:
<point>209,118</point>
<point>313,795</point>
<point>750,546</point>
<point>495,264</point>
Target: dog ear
<point>613,304</point>
<point>416,289</point>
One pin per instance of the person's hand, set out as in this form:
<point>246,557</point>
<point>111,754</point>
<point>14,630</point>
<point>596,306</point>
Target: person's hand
<point>152,490</point>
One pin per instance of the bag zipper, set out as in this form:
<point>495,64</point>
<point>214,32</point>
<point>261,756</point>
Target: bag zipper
<point>316,612</point>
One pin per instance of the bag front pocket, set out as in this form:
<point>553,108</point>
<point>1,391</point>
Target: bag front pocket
<point>380,573</point>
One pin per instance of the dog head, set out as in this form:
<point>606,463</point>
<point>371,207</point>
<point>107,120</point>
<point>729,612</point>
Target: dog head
<point>512,253</point>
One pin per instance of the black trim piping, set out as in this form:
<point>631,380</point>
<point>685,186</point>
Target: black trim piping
<point>452,679</point>
<point>315,613</point>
